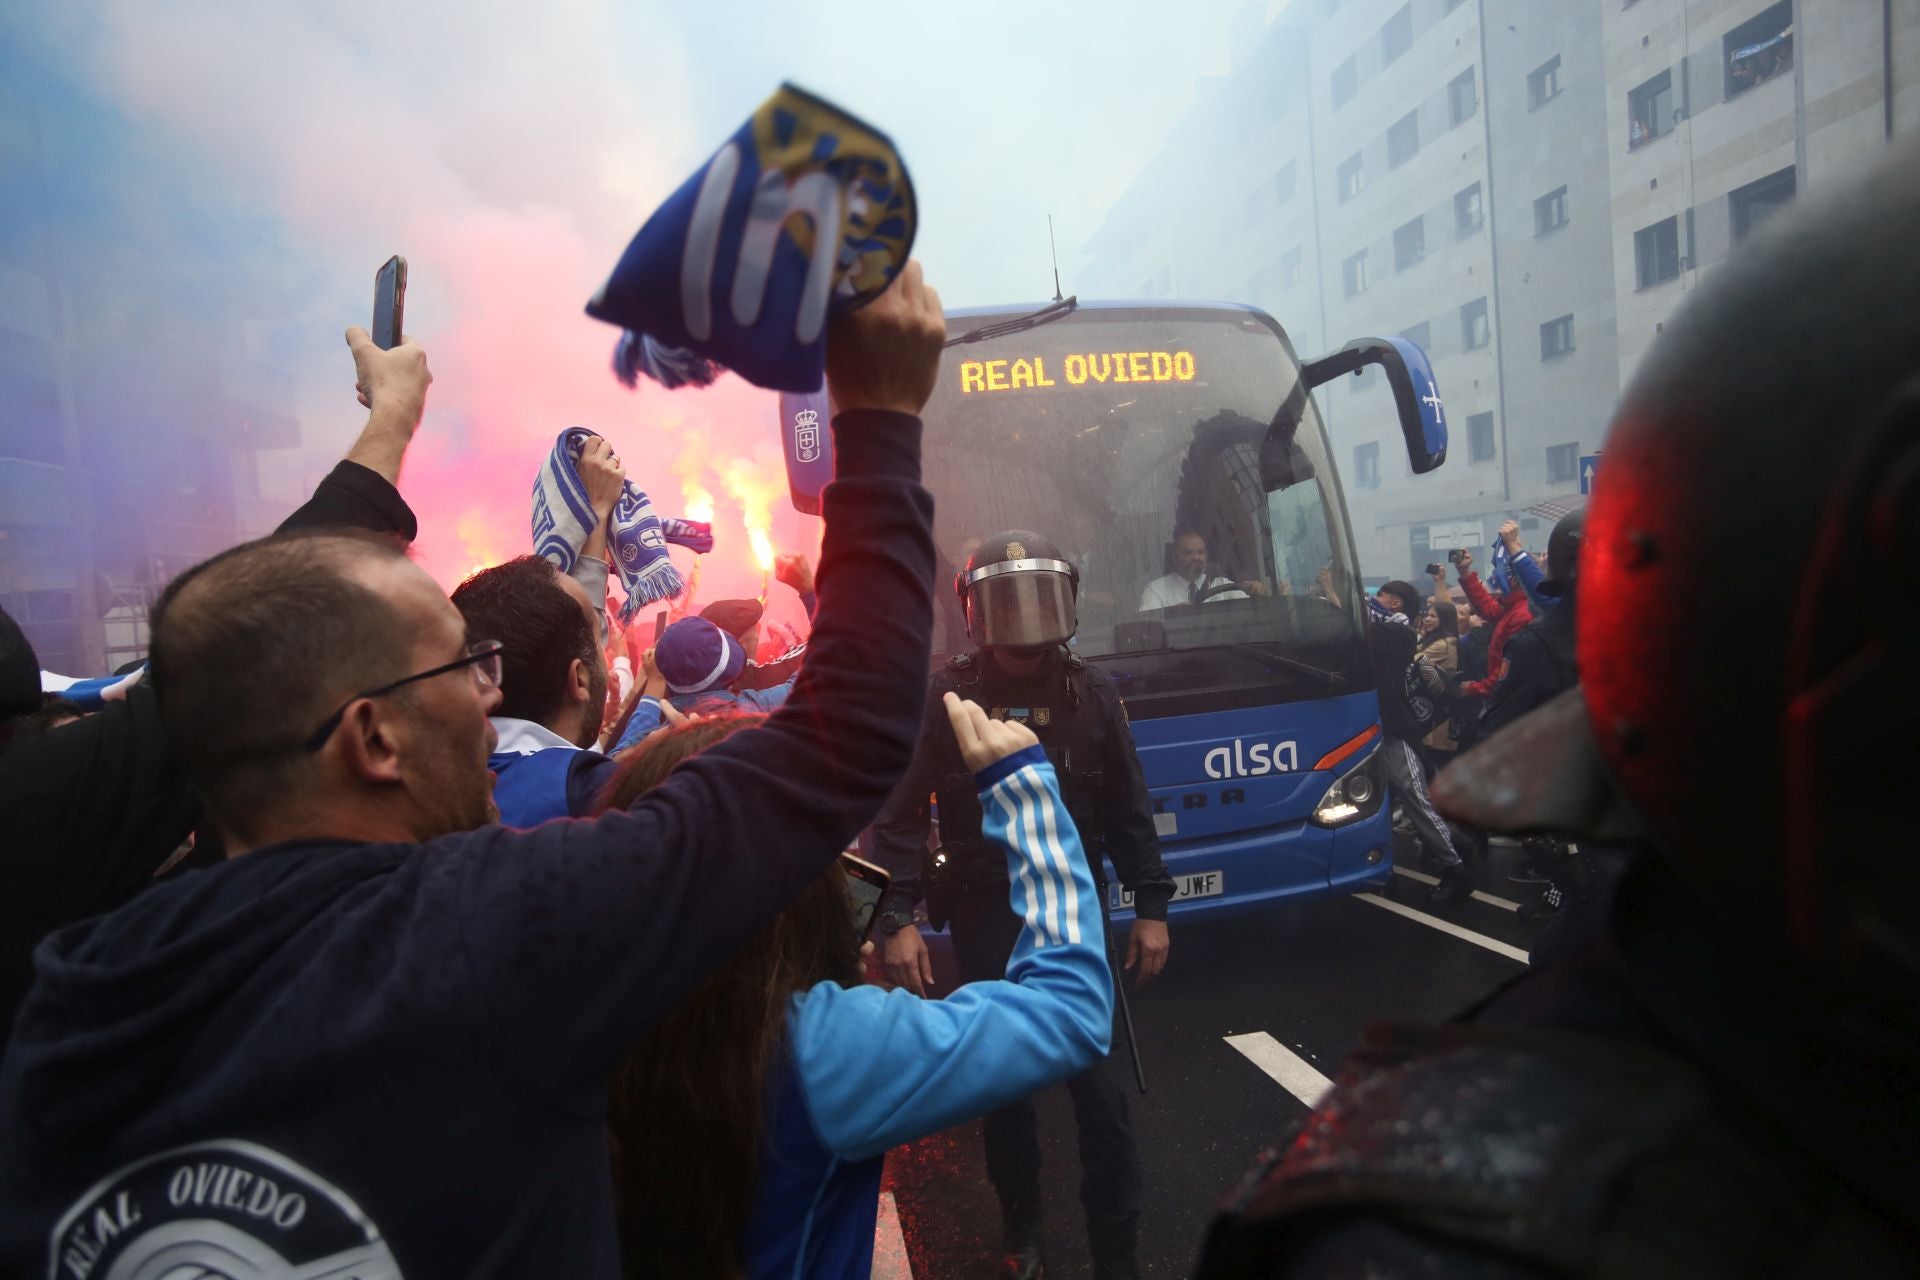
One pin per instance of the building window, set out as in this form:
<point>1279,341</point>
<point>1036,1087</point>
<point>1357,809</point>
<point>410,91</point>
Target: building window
<point>1563,463</point>
<point>1454,4</point>
<point>1474,331</point>
<point>1550,212</point>
<point>1754,203</point>
<point>1556,337</point>
<point>1467,215</point>
<point>1543,85</point>
<point>1479,437</point>
<point>1656,252</point>
<point>1365,378</point>
<point>1397,36</point>
<point>1284,184</point>
<point>1290,268</point>
<point>1353,273</point>
<point>1650,110</point>
<point>1366,466</point>
<point>1420,335</point>
<point>1409,244</point>
<point>1759,49</point>
<point>1463,97</point>
<point>1256,200</point>
<point>1350,178</point>
<point>1346,82</point>
<point>1403,139</point>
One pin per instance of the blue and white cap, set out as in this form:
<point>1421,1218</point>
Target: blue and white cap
<point>694,656</point>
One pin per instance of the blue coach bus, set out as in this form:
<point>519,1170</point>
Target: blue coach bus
<point>1126,432</point>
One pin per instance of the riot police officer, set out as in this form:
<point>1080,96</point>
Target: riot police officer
<point>1019,597</point>
<point>1719,1078</point>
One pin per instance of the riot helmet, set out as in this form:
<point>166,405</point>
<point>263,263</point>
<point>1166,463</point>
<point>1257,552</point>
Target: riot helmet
<point>1563,555</point>
<point>1019,592</point>
<point>1769,766</point>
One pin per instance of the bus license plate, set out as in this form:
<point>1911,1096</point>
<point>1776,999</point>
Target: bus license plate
<point>1194,884</point>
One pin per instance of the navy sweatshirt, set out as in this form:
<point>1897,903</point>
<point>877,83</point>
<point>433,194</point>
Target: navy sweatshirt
<point>91,810</point>
<point>387,1060</point>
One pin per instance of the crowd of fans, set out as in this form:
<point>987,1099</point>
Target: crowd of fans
<point>498,968</point>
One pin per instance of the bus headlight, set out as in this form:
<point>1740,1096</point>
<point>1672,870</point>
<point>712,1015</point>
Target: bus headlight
<point>1353,796</point>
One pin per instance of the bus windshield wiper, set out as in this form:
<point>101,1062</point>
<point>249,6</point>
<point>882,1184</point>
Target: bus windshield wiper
<point>1332,679</point>
<point>1018,324</point>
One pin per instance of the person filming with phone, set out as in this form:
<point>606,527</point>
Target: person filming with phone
<point>748,1129</point>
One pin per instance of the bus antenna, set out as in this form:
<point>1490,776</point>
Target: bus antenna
<point>1056,260</point>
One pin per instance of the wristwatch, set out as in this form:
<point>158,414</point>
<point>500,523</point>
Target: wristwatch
<point>892,922</point>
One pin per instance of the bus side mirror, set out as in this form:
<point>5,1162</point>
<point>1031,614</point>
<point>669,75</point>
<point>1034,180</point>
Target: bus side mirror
<point>1423,418</point>
<point>806,432</point>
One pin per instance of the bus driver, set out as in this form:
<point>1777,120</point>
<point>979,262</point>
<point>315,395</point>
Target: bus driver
<point>1189,583</point>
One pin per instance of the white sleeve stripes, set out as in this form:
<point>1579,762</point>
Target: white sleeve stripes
<point>879,1068</point>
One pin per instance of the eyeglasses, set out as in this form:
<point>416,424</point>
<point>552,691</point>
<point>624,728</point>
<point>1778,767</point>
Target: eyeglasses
<point>483,656</point>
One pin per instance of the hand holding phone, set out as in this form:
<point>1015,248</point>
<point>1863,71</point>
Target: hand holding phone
<point>389,302</point>
<point>866,885</point>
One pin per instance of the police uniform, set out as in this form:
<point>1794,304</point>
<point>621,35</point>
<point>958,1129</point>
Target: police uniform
<point>1075,711</point>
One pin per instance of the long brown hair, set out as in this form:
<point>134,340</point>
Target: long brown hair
<point>687,1108</point>
<point>1446,616</point>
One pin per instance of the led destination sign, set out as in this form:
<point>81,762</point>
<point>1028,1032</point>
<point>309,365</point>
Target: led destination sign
<point>1075,370</point>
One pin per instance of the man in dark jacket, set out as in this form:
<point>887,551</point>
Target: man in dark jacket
<point>1019,597</point>
<point>375,1041</point>
<point>1396,667</point>
<point>92,812</point>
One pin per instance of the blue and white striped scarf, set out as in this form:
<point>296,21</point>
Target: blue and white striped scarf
<point>806,212</point>
<point>563,519</point>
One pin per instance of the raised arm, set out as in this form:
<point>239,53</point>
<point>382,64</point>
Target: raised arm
<point>878,1068</point>
<point>593,930</point>
<point>359,492</point>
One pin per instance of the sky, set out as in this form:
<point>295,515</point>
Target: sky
<point>260,160</point>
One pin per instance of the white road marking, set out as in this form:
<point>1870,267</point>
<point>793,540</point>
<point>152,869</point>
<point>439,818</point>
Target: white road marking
<point>1487,898</point>
<point>890,1243</point>
<point>1295,1074</point>
<point>1446,926</point>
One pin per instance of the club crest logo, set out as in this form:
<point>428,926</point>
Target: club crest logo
<point>806,436</point>
<point>227,1210</point>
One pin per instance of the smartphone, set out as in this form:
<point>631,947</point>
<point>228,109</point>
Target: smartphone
<point>1455,556</point>
<point>389,302</point>
<point>1434,571</point>
<point>866,885</point>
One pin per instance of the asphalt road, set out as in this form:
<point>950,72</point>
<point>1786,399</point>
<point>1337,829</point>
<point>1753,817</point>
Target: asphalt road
<point>1249,1017</point>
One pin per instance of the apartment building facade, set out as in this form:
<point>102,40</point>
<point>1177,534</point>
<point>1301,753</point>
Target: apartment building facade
<point>1512,185</point>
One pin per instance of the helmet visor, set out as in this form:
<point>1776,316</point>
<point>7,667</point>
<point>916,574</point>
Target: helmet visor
<point>1021,604</point>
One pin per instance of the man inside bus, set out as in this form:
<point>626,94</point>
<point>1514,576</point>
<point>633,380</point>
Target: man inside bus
<point>1190,582</point>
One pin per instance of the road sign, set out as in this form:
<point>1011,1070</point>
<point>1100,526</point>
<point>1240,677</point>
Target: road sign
<point>1589,467</point>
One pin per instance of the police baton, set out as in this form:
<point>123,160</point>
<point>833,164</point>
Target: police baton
<point>1120,994</point>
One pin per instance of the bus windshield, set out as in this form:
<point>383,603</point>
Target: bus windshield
<point>1173,454</point>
